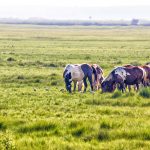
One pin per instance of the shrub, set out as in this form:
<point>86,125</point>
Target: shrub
<point>145,92</point>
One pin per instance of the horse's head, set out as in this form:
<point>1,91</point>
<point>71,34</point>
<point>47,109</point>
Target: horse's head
<point>67,79</point>
<point>108,86</point>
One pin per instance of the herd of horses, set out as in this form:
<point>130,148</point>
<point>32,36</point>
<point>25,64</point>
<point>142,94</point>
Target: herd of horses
<point>121,77</point>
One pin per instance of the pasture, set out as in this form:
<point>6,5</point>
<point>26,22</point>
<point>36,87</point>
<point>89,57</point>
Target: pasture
<point>36,115</point>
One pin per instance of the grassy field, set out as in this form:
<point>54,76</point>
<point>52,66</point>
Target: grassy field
<point>36,115</point>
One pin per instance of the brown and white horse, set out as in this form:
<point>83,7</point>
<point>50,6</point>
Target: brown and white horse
<point>96,83</point>
<point>77,73</point>
<point>131,75</point>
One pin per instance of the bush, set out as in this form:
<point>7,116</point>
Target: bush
<point>145,92</point>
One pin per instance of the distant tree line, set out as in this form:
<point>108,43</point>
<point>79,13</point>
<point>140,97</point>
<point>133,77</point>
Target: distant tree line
<point>41,21</point>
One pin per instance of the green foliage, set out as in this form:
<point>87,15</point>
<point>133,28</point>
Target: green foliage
<point>145,92</point>
<point>39,126</point>
<point>103,135</point>
<point>117,94</point>
<point>10,59</point>
<point>2,126</point>
<point>7,141</point>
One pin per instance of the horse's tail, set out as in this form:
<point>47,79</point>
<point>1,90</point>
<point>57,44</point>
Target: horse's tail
<point>94,72</point>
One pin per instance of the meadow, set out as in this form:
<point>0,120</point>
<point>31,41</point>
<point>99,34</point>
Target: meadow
<point>36,115</point>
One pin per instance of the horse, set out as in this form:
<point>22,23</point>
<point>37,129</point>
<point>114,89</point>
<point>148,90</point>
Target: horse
<point>133,75</point>
<point>108,84</point>
<point>100,77</point>
<point>147,70</point>
<point>96,83</point>
<point>77,73</point>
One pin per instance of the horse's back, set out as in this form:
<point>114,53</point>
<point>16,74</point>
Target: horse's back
<point>77,73</point>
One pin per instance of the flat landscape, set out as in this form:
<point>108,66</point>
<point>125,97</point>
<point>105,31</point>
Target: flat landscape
<point>35,114</point>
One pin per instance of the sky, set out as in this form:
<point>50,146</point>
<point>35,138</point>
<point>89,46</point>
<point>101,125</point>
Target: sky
<point>76,9</point>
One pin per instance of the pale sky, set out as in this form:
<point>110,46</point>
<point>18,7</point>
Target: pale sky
<point>75,2</point>
<point>75,9</point>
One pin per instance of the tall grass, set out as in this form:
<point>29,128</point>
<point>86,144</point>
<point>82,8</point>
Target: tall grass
<point>145,92</point>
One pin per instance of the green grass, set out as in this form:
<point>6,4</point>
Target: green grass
<point>145,92</point>
<point>36,113</point>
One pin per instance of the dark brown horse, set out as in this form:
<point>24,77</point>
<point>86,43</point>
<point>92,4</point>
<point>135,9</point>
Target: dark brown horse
<point>131,75</point>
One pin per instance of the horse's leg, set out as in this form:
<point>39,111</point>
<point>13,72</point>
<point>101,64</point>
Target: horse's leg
<point>129,88</point>
<point>91,83</point>
<point>75,83</point>
<point>122,86</point>
<point>80,85</point>
<point>85,84</point>
<point>137,87</point>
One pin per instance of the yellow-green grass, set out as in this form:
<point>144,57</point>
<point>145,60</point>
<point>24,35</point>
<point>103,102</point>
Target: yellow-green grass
<point>36,114</point>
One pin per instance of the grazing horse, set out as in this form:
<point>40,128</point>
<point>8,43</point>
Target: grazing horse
<point>96,83</point>
<point>100,78</point>
<point>133,75</point>
<point>108,84</point>
<point>147,70</point>
<point>129,86</point>
<point>77,73</point>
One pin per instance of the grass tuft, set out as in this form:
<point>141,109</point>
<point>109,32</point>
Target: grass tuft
<point>40,126</point>
<point>145,92</point>
<point>105,125</point>
<point>11,59</point>
<point>2,126</point>
<point>116,94</point>
<point>78,131</point>
<point>103,135</point>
